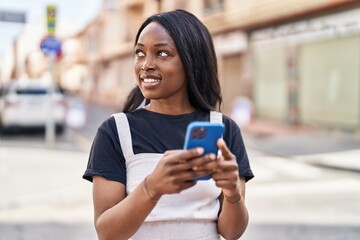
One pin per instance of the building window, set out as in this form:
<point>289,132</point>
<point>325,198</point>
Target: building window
<point>92,42</point>
<point>213,5</point>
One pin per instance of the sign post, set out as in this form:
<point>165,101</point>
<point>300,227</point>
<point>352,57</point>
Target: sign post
<point>50,129</point>
<point>51,47</point>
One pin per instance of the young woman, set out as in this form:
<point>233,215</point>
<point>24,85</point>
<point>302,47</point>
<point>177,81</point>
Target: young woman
<point>143,180</point>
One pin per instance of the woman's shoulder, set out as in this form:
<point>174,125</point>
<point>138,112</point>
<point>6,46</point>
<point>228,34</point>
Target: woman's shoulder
<point>231,125</point>
<point>108,125</point>
<point>227,120</point>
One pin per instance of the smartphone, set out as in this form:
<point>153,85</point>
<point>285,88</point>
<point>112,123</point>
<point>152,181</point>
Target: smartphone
<point>205,135</point>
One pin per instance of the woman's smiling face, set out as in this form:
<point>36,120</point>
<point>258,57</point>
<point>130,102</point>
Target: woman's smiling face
<point>158,66</point>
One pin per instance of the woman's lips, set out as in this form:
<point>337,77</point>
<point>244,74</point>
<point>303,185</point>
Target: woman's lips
<point>150,82</point>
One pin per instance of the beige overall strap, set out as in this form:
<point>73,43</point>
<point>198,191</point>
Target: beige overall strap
<point>216,117</point>
<point>123,129</point>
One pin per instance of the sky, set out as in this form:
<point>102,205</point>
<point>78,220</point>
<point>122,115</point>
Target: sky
<point>72,15</point>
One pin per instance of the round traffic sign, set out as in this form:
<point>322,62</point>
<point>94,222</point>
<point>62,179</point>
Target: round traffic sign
<point>50,45</point>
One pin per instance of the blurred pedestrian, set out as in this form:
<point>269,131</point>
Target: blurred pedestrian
<point>242,111</point>
<point>143,181</point>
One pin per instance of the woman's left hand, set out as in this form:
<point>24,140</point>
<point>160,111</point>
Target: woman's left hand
<point>225,172</point>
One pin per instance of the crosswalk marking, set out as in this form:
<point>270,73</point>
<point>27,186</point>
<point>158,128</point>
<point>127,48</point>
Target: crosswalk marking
<point>269,167</point>
<point>305,187</point>
<point>344,159</point>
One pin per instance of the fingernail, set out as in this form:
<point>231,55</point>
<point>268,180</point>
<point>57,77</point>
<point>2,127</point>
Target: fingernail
<point>200,150</point>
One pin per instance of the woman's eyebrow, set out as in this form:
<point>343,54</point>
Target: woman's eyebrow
<point>161,44</point>
<point>140,44</point>
<point>169,46</point>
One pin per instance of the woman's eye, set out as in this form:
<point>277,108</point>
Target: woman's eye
<point>163,54</point>
<point>139,53</point>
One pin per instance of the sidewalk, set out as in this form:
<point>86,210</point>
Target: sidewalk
<point>334,149</point>
<point>43,195</point>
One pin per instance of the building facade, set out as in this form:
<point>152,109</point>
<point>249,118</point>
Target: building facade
<point>295,61</point>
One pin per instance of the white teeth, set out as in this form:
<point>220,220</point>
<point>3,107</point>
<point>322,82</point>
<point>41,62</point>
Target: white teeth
<point>150,80</point>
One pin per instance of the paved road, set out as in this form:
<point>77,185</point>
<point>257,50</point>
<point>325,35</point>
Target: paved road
<point>293,200</point>
<point>44,197</point>
<point>42,193</point>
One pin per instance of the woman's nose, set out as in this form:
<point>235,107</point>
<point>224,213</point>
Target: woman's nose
<point>148,64</point>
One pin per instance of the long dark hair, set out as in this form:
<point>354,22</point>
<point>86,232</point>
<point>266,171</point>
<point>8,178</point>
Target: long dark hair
<point>196,50</point>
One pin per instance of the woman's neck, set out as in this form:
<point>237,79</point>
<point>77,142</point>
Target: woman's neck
<point>170,109</point>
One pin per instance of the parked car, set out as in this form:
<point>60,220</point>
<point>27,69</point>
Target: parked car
<point>30,103</point>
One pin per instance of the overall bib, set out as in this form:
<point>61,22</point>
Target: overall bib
<point>189,215</point>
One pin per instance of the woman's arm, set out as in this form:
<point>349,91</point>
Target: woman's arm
<point>233,218</point>
<point>116,216</point>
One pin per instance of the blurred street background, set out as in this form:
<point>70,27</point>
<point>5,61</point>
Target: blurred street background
<point>290,78</point>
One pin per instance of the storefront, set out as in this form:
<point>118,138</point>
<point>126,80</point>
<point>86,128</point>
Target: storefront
<point>308,71</point>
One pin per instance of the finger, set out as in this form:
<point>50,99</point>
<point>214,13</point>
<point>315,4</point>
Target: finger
<point>227,166</point>
<point>225,184</point>
<point>179,165</point>
<point>198,163</point>
<point>170,152</point>
<point>225,152</point>
<point>179,186</point>
<point>181,156</point>
<point>223,176</point>
<point>219,165</point>
<point>185,185</point>
<point>190,175</point>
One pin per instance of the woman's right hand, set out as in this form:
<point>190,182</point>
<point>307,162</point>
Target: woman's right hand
<point>176,170</point>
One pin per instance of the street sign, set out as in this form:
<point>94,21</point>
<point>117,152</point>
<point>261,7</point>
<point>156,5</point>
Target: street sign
<point>12,16</point>
<point>51,46</point>
<point>51,19</point>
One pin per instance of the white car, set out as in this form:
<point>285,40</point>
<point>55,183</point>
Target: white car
<point>30,103</point>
